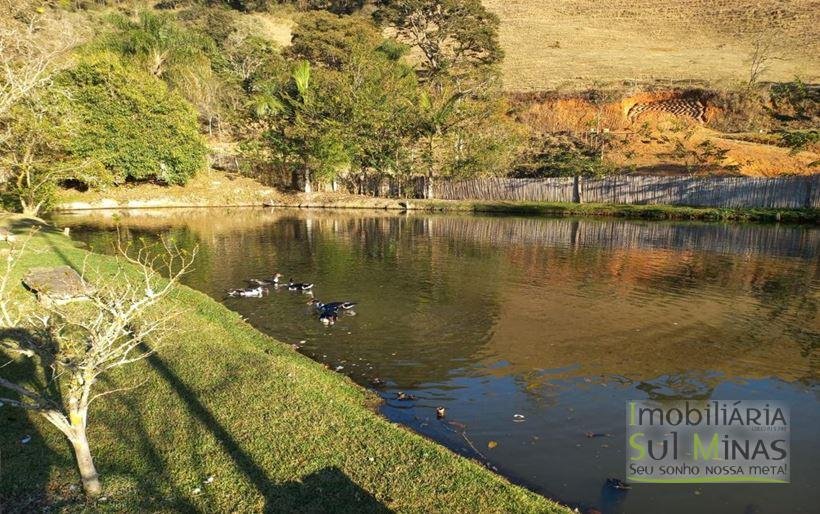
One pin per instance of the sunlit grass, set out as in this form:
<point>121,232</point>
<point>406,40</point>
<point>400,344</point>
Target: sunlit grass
<point>672,212</point>
<point>276,430</point>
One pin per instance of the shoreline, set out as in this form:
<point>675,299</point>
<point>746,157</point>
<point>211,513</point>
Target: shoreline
<point>337,201</point>
<point>326,429</point>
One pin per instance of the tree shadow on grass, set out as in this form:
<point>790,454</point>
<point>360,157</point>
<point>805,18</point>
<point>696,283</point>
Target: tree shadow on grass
<point>135,436</point>
<point>27,461</point>
<point>327,490</point>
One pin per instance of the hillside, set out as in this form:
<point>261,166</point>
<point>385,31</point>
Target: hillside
<point>574,46</point>
<point>580,43</point>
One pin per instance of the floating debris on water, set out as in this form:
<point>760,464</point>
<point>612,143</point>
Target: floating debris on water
<point>519,418</point>
<point>26,439</point>
<point>492,444</point>
<point>617,483</point>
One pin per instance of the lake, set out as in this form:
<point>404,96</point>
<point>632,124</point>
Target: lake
<point>533,332</point>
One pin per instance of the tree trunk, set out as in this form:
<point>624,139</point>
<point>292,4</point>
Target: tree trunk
<point>308,187</point>
<point>428,187</point>
<point>30,210</point>
<point>88,473</point>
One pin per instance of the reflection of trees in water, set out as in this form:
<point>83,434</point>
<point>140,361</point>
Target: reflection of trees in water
<point>436,285</point>
<point>745,239</point>
<point>679,386</point>
<point>721,324</point>
<point>104,240</point>
<point>412,288</point>
<point>411,285</point>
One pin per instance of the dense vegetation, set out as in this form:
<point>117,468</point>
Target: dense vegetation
<point>123,100</point>
<point>106,92</point>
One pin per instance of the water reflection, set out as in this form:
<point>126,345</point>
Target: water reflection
<point>559,320</point>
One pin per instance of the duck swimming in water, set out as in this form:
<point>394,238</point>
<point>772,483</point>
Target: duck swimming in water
<point>272,281</point>
<point>328,317</point>
<point>299,286</point>
<point>249,292</point>
<point>345,306</point>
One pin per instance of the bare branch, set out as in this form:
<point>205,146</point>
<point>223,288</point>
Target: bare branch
<point>117,390</point>
<point>32,48</point>
<point>75,343</point>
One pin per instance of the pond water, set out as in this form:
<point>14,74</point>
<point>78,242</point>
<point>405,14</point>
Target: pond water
<point>559,320</point>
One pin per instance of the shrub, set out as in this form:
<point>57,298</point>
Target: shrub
<point>560,156</point>
<point>795,100</point>
<point>742,109</point>
<point>800,140</point>
<point>130,123</point>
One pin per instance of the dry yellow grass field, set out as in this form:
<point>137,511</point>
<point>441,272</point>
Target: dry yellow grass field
<point>572,44</point>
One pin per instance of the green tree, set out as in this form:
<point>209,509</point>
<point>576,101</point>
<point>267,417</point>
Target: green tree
<point>163,47</point>
<point>380,96</point>
<point>325,39</point>
<point>30,154</point>
<point>365,85</point>
<point>34,153</point>
<point>129,123</point>
<point>463,128</point>
<point>178,54</point>
<point>464,135</point>
<point>355,108</point>
<point>302,134</point>
<point>456,38</point>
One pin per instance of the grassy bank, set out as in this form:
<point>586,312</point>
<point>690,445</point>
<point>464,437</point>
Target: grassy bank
<point>671,212</point>
<point>276,431</point>
<point>660,212</point>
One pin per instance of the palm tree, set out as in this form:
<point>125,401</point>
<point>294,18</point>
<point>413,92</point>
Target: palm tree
<point>436,120</point>
<point>300,128</point>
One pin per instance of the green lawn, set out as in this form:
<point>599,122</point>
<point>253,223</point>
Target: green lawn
<point>276,431</point>
<point>671,212</point>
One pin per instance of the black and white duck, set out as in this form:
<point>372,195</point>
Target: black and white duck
<point>248,292</point>
<point>345,306</point>
<point>299,286</point>
<point>328,317</point>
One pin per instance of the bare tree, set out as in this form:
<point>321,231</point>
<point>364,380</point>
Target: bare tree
<point>118,323</point>
<point>33,44</point>
<point>761,59</point>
